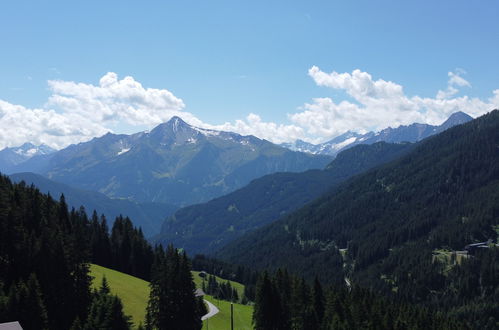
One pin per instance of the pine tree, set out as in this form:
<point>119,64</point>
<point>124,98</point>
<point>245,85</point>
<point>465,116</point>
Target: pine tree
<point>267,314</point>
<point>318,300</point>
<point>106,311</point>
<point>172,304</point>
<point>25,304</point>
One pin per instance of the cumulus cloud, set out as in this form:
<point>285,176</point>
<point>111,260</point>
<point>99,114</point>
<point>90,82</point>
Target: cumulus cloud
<point>253,125</point>
<point>77,112</point>
<point>115,100</point>
<point>455,81</point>
<point>379,104</point>
<point>20,124</point>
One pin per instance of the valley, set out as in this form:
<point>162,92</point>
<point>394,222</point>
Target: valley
<point>249,165</point>
<point>382,221</point>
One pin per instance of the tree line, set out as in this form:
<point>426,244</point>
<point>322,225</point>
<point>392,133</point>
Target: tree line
<point>45,252</point>
<point>286,302</point>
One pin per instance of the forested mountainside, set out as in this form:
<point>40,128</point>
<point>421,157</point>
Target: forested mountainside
<point>287,302</point>
<point>175,163</point>
<point>148,216</point>
<point>399,227</point>
<point>204,228</point>
<point>45,251</point>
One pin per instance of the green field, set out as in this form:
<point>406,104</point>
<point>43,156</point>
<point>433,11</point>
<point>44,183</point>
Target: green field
<point>221,321</point>
<point>199,283</point>
<point>134,293</point>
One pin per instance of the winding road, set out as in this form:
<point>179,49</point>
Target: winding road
<point>212,310</point>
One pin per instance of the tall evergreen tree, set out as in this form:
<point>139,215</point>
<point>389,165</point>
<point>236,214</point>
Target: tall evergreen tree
<point>106,311</point>
<point>172,304</point>
<point>267,314</point>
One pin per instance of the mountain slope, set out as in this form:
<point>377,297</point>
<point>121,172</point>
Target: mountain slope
<point>204,228</point>
<point>133,291</point>
<point>411,133</point>
<point>442,195</point>
<point>175,163</point>
<point>148,216</point>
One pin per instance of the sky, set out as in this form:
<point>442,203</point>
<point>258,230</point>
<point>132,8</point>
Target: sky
<point>280,70</point>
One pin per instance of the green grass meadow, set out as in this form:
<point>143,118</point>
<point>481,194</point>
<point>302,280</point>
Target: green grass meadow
<point>134,293</point>
<point>221,321</point>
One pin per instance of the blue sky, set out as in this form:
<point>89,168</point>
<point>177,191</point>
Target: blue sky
<point>244,65</point>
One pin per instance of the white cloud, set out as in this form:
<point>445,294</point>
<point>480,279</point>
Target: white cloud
<point>114,100</point>
<point>455,80</point>
<point>379,104</point>
<point>19,124</point>
<point>253,125</point>
<point>77,112</point>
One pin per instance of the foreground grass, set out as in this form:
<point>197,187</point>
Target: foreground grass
<point>133,291</point>
<point>134,294</point>
<point>221,321</point>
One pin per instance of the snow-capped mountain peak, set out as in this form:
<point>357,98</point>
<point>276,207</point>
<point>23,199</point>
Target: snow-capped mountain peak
<point>411,133</point>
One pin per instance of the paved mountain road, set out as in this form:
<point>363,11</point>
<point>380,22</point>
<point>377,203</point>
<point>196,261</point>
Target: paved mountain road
<point>212,310</point>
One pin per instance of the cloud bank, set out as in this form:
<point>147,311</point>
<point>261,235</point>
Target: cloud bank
<point>379,104</point>
<point>77,112</point>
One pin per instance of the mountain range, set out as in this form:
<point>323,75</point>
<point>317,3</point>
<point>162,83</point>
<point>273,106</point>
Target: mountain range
<point>205,228</point>
<point>175,163</point>
<point>148,216</point>
<point>404,229</point>
<point>11,157</point>
<point>411,133</point>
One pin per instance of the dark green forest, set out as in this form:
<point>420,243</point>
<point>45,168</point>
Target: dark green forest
<point>289,302</point>
<point>45,251</point>
<point>384,229</point>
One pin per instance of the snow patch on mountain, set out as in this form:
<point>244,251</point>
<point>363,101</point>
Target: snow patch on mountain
<point>410,133</point>
<point>124,150</point>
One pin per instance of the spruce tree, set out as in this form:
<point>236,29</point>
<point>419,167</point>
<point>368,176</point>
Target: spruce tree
<point>172,304</point>
<point>267,314</point>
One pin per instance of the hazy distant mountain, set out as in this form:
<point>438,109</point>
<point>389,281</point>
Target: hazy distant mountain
<point>411,133</point>
<point>148,216</point>
<point>10,157</point>
<point>174,163</point>
<point>204,228</point>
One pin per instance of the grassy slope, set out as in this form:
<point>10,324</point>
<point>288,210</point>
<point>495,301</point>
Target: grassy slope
<point>242,313</point>
<point>199,283</point>
<point>134,293</point>
<point>221,321</point>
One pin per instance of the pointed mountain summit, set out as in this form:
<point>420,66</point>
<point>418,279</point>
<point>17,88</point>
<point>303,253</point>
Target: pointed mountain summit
<point>177,132</point>
<point>456,118</point>
<point>174,163</point>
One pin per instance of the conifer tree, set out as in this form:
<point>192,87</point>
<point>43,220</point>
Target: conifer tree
<point>267,314</point>
<point>172,304</point>
<point>318,300</point>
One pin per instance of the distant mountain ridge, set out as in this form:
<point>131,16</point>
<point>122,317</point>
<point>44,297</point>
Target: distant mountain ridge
<point>204,228</point>
<point>148,216</point>
<point>11,157</point>
<point>174,163</point>
<point>411,133</point>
